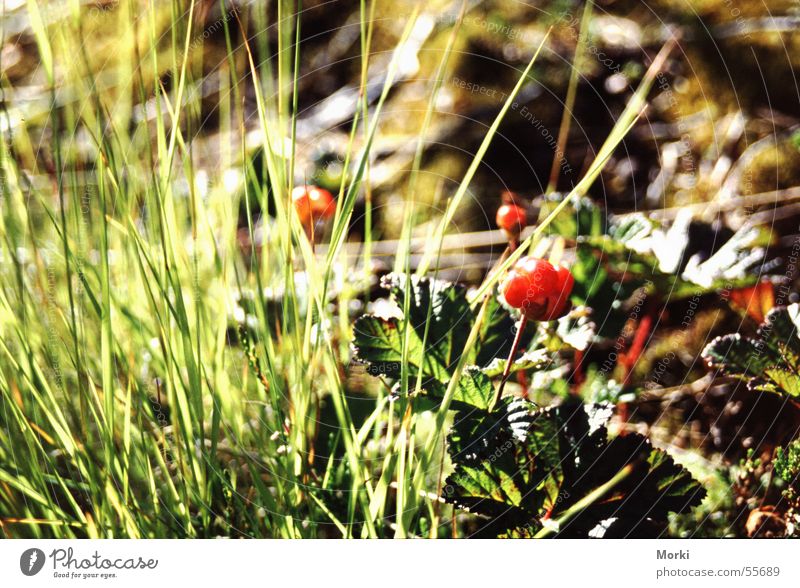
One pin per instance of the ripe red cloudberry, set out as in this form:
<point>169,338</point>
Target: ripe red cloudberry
<point>313,204</point>
<point>512,219</point>
<point>540,290</point>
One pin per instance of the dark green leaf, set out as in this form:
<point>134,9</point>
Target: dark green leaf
<point>378,343</point>
<point>474,390</point>
<point>736,355</point>
<point>443,309</point>
<point>770,361</point>
<point>522,462</point>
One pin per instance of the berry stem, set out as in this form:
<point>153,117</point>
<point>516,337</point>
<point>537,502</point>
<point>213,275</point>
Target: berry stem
<point>507,370</point>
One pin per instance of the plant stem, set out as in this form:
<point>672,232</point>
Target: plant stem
<point>585,502</point>
<point>507,370</point>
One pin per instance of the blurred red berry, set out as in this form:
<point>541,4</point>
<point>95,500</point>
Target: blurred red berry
<point>512,218</point>
<point>540,290</point>
<point>313,204</point>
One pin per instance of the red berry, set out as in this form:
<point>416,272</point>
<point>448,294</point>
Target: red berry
<point>313,204</point>
<point>538,289</point>
<point>512,218</point>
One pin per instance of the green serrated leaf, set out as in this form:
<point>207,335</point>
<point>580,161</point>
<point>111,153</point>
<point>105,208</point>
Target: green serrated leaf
<point>736,355</point>
<point>544,463</point>
<point>770,361</point>
<point>443,307</point>
<point>474,390</point>
<point>378,343</point>
<point>785,380</point>
<point>486,479</point>
<point>450,314</point>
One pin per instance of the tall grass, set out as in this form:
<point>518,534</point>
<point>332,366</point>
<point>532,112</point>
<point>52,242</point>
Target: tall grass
<point>162,377</point>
